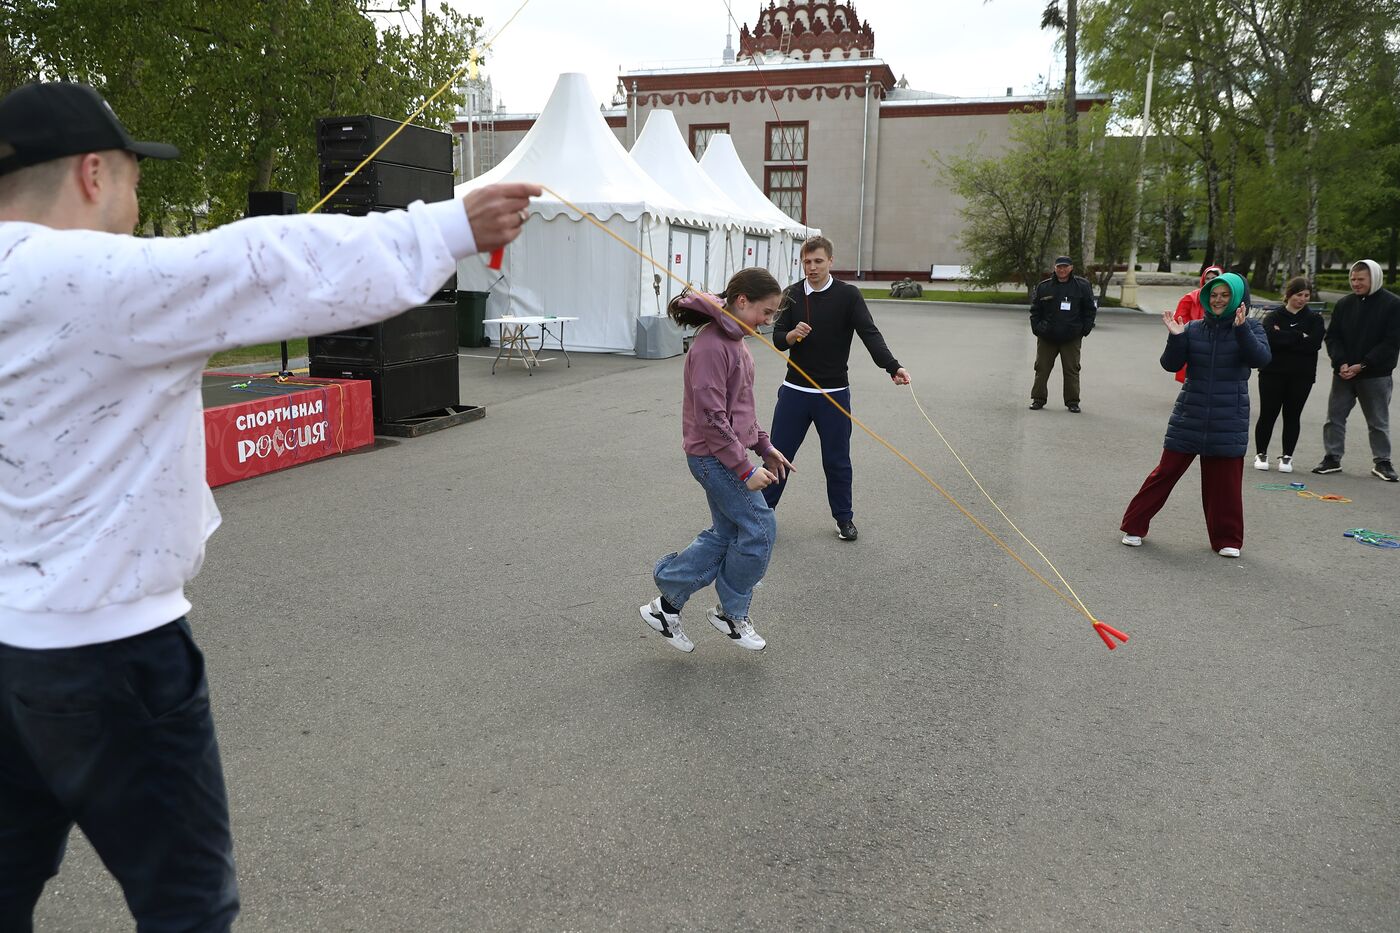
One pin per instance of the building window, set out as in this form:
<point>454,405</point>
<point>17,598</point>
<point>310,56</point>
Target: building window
<point>787,188</point>
<point>787,142</point>
<point>700,134</point>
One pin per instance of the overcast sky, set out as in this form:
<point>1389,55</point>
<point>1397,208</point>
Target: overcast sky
<point>963,47</point>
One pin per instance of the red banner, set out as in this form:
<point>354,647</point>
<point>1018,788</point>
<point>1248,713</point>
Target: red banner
<point>319,418</point>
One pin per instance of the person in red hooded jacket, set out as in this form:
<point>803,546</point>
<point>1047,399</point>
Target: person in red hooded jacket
<point>1189,308</point>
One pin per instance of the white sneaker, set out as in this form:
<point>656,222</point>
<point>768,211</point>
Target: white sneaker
<point>1132,540</point>
<point>1261,462</point>
<point>668,624</point>
<point>1285,464</point>
<point>741,633</point>
<point>1229,552</point>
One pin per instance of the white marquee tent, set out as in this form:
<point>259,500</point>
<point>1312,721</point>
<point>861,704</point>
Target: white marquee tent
<point>722,164</point>
<point>663,154</point>
<point>563,265</point>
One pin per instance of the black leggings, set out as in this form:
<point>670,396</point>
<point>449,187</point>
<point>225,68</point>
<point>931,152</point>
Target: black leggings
<point>1288,393</point>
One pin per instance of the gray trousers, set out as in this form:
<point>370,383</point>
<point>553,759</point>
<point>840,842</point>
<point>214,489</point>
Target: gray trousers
<point>1045,355</point>
<point>1374,396</point>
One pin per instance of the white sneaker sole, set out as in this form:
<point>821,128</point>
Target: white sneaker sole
<point>756,643</point>
<point>1229,552</point>
<point>1285,468</point>
<point>1132,541</point>
<point>1262,466</point>
<point>679,641</point>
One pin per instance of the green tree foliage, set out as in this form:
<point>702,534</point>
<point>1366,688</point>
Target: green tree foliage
<point>1276,101</point>
<point>236,84</point>
<point>1115,187</point>
<point>1015,205</point>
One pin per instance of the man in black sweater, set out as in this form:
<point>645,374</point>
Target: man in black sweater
<point>1062,314</point>
<point>819,317</point>
<point>1363,341</point>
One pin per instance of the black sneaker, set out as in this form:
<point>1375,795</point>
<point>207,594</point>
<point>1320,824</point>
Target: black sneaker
<point>1074,408</point>
<point>1037,405</point>
<point>846,530</point>
<point>1383,470</point>
<point>1328,465</point>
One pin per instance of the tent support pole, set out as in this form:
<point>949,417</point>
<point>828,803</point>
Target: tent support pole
<point>864,153</point>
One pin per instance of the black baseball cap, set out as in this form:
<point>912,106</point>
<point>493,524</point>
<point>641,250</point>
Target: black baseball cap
<point>1063,261</point>
<point>43,122</point>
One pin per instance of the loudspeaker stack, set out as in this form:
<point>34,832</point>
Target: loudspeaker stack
<point>410,360</point>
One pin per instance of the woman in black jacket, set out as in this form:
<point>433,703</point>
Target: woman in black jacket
<point>1295,335</point>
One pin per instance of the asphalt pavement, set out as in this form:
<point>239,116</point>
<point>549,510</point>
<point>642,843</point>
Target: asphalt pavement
<point>439,710</point>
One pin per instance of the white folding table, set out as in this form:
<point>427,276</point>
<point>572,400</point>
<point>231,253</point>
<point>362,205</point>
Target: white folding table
<point>515,339</point>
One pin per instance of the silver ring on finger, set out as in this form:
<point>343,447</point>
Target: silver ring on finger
<point>524,216</point>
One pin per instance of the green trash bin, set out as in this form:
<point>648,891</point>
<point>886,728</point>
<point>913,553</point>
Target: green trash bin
<point>471,311</point>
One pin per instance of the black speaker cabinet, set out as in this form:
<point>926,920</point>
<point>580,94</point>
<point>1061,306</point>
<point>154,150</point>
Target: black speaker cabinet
<point>419,333</point>
<point>406,390</point>
<point>351,139</point>
<point>354,210</point>
<point>384,184</point>
<point>264,203</point>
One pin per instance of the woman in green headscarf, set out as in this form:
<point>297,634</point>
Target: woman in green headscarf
<point>1211,416</point>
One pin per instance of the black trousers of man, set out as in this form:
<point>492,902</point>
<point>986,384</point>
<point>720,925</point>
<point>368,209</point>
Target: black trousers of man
<point>119,739</point>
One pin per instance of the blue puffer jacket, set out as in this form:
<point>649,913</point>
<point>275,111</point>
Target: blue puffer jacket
<point>1211,417</point>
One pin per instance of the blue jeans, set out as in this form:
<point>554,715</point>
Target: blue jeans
<point>118,738</point>
<point>732,553</point>
<point>797,411</point>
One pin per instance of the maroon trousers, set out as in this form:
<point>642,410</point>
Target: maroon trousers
<point>1221,496</point>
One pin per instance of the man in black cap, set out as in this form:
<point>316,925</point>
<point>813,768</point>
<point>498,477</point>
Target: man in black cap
<point>104,510</point>
<point>1062,314</point>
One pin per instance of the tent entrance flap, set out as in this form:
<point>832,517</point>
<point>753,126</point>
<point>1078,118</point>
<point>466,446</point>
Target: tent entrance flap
<point>756,251</point>
<point>689,258</point>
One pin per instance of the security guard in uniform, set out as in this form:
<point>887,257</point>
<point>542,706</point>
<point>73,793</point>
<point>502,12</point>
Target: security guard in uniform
<point>1062,314</point>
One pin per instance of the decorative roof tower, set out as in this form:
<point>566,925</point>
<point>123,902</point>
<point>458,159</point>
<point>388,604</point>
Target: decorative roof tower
<point>813,30</point>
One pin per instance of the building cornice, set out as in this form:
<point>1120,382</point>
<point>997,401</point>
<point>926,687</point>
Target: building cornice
<point>732,78</point>
<point>893,110</point>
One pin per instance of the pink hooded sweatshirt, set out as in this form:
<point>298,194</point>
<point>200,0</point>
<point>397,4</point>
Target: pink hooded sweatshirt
<point>717,414</point>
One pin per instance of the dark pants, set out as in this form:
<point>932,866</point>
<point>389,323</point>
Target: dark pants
<point>1045,355</point>
<point>1221,497</point>
<point>797,411</point>
<point>1286,393</point>
<point>118,738</point>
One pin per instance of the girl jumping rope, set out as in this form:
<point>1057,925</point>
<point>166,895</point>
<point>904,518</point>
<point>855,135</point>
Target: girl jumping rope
<point>718,428</point>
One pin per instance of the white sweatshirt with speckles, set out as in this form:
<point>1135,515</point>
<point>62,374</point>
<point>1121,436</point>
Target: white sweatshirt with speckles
<point>104,508</point>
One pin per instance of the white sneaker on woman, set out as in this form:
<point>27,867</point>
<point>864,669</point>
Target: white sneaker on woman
<point>1229,552</point>
<point>740,631</point>
<point>1261,461</point>
<point>1132,540</point>
<point>668,624</point>
<point>1285,464</point>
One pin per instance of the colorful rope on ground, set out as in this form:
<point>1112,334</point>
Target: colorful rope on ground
<point>1373,538</point>
<point>1301,490</point>
<point>1305,494</point>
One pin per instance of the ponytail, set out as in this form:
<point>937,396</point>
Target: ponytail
<point>692,309</point>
